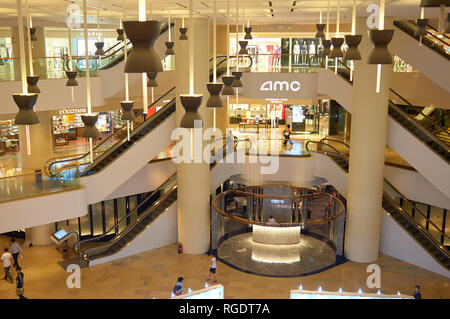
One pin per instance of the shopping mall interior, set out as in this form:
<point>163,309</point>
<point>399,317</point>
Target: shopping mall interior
<point>301,148</point>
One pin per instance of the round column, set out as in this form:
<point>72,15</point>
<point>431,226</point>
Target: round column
<point>40,235</point>
<point>193,178</point>
<point>367,152</point>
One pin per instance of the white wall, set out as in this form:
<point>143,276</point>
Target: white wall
<point>428,62</point>
<point>335,87</point>
<point>35,211</point>
<point>99,186</point>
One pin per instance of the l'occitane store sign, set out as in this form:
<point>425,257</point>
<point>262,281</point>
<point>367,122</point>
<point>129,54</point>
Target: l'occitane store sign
<point>79,110</point>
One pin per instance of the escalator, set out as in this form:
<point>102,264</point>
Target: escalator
<point>424,231</point>
<point>113,56</point>
<point>433,132</point>
<point>147,211</point>
<point>430,56</point>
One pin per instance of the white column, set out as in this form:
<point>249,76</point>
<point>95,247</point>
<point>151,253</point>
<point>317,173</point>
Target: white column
<point>193,179</point>
<point>367,152</point>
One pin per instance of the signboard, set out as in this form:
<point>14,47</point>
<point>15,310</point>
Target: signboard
<point>79,110</point>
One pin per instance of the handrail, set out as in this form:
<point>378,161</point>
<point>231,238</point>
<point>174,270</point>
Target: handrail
<point>326,138</point>
<point>429,33</point>
<point>399,207</point>
<point>434,29</point>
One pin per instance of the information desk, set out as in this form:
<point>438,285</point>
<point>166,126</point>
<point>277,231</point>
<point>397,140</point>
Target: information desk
<point>276,235</point>
<point>212,292</point>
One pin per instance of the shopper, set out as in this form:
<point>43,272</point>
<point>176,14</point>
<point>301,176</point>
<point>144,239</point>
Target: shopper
<point>212,267</point>
<point>178,288</point>
<point>271,220</point>
<point>287,135</point>
<point>15,250</point>
<point>417,294</point>
<point>20,283</point>
<point>230,142</point>
<point>7,261</point>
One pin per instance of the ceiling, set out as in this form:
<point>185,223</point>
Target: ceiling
<point>54,12</point>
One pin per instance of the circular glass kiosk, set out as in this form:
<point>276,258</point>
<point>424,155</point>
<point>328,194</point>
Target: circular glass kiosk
<point>277,230</point>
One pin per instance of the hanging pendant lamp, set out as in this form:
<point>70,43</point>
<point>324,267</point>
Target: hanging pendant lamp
<point>99,46</point>
<point>421,30</point>
<point>32,33</point>
<point>127,114</point>
<point>227,82</point>
<point>71,78</point>
<point>32,81</point>
<point>152,79</point>
<point>248,33</point>
<point>25,102</point>
<point>336,52</point>
<point>320,34</point>
<point>143,57</point>
<point>183,34</point>
<point>352,52</point>
<point>89,121</point>
<point>191,103</point>
<point>169,46</point>
<point>120,36</point>
<point>214,90</point>
<point>380,39</point>
<point>237,83</point>
<point>326,48</point>
<point>434,3</point>
<point>243,45</point>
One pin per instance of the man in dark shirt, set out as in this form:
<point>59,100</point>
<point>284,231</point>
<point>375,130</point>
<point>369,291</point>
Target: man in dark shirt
<point>20,283</point>
<point>417,294</point>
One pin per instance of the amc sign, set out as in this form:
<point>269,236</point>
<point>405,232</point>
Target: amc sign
<point>259,85</point>
<point>280,86</point>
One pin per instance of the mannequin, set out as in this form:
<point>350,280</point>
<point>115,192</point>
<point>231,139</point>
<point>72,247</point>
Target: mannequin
<point>304,51</point>
<point>296,52</point>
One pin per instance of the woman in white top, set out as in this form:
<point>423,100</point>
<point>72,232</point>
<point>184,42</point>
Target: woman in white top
<point>212,267</point>
<point>7,262</point>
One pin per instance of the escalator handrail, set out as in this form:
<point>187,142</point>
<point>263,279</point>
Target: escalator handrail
<point>404,213</point>
<point>431,34</point>
<point>343,156</point>
<point>108,138</point>
<point>326,138</point>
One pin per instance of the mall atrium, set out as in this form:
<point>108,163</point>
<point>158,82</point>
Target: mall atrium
<point>240,149</point>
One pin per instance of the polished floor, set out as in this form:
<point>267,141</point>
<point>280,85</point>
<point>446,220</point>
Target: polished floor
<point>153,274</point>
<point>308,256</point>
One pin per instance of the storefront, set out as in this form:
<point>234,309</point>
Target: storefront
<point>9,137</point>
<point>68,126</point>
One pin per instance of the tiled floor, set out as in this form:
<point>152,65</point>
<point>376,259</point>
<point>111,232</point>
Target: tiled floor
<point>153,274</point>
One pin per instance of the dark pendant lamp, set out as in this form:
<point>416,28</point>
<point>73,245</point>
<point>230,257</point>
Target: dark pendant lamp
<point>380,40</point>
<point>71,78</point>
<point>169,46</point>
<point>26,115</point>
<point>326,48</point>
<point>99,46</point>
<point>143,57</point>
<point>237,83</point>
<point>191,103</point>
<point>152,79</point>
<point>421,30</point>
<point>32,81</point>
<point>352,52</point>
<point>336,52</point>
<point>243,45</point>
<point>447,24</point>
<point>183,34</point>
<point>248,33</point>
<point>120,36</point>
<point>320,33</point>
<point>89,121</point>
<point>227,81</point>
<point>214,90</point>
<point>32,34</point>
<point>127,114</point>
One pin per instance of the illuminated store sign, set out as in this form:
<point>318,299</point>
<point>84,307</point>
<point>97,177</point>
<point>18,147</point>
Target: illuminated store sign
<point>73,111</point>
<point>280,86</point>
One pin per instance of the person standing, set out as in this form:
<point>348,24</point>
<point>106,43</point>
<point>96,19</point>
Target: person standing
<point>212,267</point>
<point>287,135</point>
<point>7,261</point>
<point>15,250</point>
<point>20,283</point>
<point>417,294</point>
<point>178,288</point>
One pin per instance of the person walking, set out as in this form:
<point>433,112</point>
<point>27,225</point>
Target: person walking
<point>15,250</point>
<point>20,284</point>
<point>178,288</point>
<point>212,267</point>
<point>287,135</point>
<point>417,294</point>
<point>271,220</point>
<point>7,261</point>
